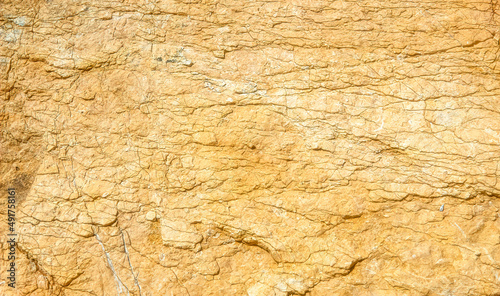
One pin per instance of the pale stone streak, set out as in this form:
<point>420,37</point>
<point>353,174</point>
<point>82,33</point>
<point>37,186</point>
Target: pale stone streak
<point>120,286</point>
<point>130,263</point>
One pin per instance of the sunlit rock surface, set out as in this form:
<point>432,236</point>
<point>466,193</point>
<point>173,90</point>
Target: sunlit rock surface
<point>251,147</point>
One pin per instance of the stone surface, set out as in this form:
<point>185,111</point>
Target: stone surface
<point>175,147</point>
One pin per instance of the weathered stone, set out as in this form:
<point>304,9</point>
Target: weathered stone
<point>179,234</point>
<point>251,148</point>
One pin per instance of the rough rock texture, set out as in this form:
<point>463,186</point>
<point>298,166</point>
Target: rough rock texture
<point>200,147</point>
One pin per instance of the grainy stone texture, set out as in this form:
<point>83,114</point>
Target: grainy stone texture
<point>200,147</point>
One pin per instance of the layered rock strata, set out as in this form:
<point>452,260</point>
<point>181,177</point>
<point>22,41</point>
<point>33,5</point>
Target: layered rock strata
<point>251,148</point>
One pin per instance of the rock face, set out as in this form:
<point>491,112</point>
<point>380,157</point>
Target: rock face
<point>175,147</point>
